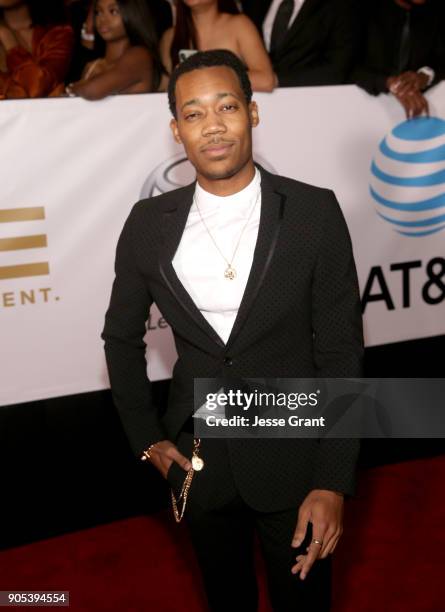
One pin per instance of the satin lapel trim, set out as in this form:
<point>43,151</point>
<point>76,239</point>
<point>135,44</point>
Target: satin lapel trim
<point>173,225</point>
<point>272,209</point>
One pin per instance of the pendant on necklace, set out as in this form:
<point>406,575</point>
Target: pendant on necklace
<point>230,272</point>
<point>197,463</point>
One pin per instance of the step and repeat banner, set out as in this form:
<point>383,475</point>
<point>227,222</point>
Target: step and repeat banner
<point>71,170</point>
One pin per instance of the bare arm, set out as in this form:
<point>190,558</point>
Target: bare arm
<point>254,54</point>
<point>135,66</point>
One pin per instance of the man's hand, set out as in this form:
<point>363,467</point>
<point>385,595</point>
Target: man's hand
<point>164,453</point>
<point>407,88</point>
<point>324,509</point>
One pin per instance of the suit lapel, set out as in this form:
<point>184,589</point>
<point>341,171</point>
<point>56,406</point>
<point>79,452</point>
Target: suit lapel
<point>272,207</point>
<point>173,224</point>
<point>174,220</point>
<point>307,8</point>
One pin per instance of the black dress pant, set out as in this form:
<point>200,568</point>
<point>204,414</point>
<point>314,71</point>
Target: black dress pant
<point>223,540</point>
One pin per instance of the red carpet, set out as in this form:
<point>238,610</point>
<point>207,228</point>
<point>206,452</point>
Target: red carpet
<point>391,556</point>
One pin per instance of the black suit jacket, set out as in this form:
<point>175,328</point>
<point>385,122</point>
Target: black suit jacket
<point>300,316</point>
<point>381,30</point>
<point>319,46</point>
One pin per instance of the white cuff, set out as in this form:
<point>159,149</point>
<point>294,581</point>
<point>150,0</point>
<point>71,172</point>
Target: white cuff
<point>429,73</point>
<point>85,35</point>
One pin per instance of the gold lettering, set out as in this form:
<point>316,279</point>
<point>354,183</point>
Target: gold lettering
<point>8,299</point>
<point>45,293</point>
<point>23,297</point>
<point>30,297</point>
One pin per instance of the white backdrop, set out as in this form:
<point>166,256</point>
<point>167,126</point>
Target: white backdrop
<point>71,170</point>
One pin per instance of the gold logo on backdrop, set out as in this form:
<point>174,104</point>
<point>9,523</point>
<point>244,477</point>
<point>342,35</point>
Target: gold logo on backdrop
<point>20,243</point>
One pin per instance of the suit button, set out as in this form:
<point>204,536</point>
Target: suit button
<point>228,361</point>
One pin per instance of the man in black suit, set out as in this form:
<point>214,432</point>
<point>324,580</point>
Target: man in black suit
<point>255,275</point>
<point>402,50</point>
<point>310,42</point>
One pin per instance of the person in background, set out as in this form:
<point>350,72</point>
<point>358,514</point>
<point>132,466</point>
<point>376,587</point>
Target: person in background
<point>217,24</point>
<point>402,51</point>
<point>310,42</point>
<point>36,44</point>
<point>80,13</point>
<point>129,60</point>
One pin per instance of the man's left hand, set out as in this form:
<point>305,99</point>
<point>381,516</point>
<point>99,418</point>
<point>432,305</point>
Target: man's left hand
<point>324,509</point>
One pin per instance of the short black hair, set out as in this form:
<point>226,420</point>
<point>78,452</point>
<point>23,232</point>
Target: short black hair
<point>209,59</point>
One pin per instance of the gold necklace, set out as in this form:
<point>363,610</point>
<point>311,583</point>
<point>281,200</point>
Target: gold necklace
<point>229,272</point>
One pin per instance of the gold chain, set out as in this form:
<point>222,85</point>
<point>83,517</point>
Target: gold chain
<point>230,272</point>
<point>187,482</point>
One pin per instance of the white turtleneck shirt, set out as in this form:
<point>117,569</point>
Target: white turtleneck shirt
<point>200,266</point>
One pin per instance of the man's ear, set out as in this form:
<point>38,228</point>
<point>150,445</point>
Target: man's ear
<point>253,114</point>
<point>174,129</point>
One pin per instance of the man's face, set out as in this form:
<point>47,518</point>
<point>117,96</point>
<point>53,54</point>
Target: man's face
<point>214,121</point>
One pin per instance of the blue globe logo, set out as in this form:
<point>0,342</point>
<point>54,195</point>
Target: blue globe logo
<point>408,177</point>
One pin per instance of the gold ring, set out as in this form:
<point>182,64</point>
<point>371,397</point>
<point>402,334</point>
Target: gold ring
<point>317,542</point>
